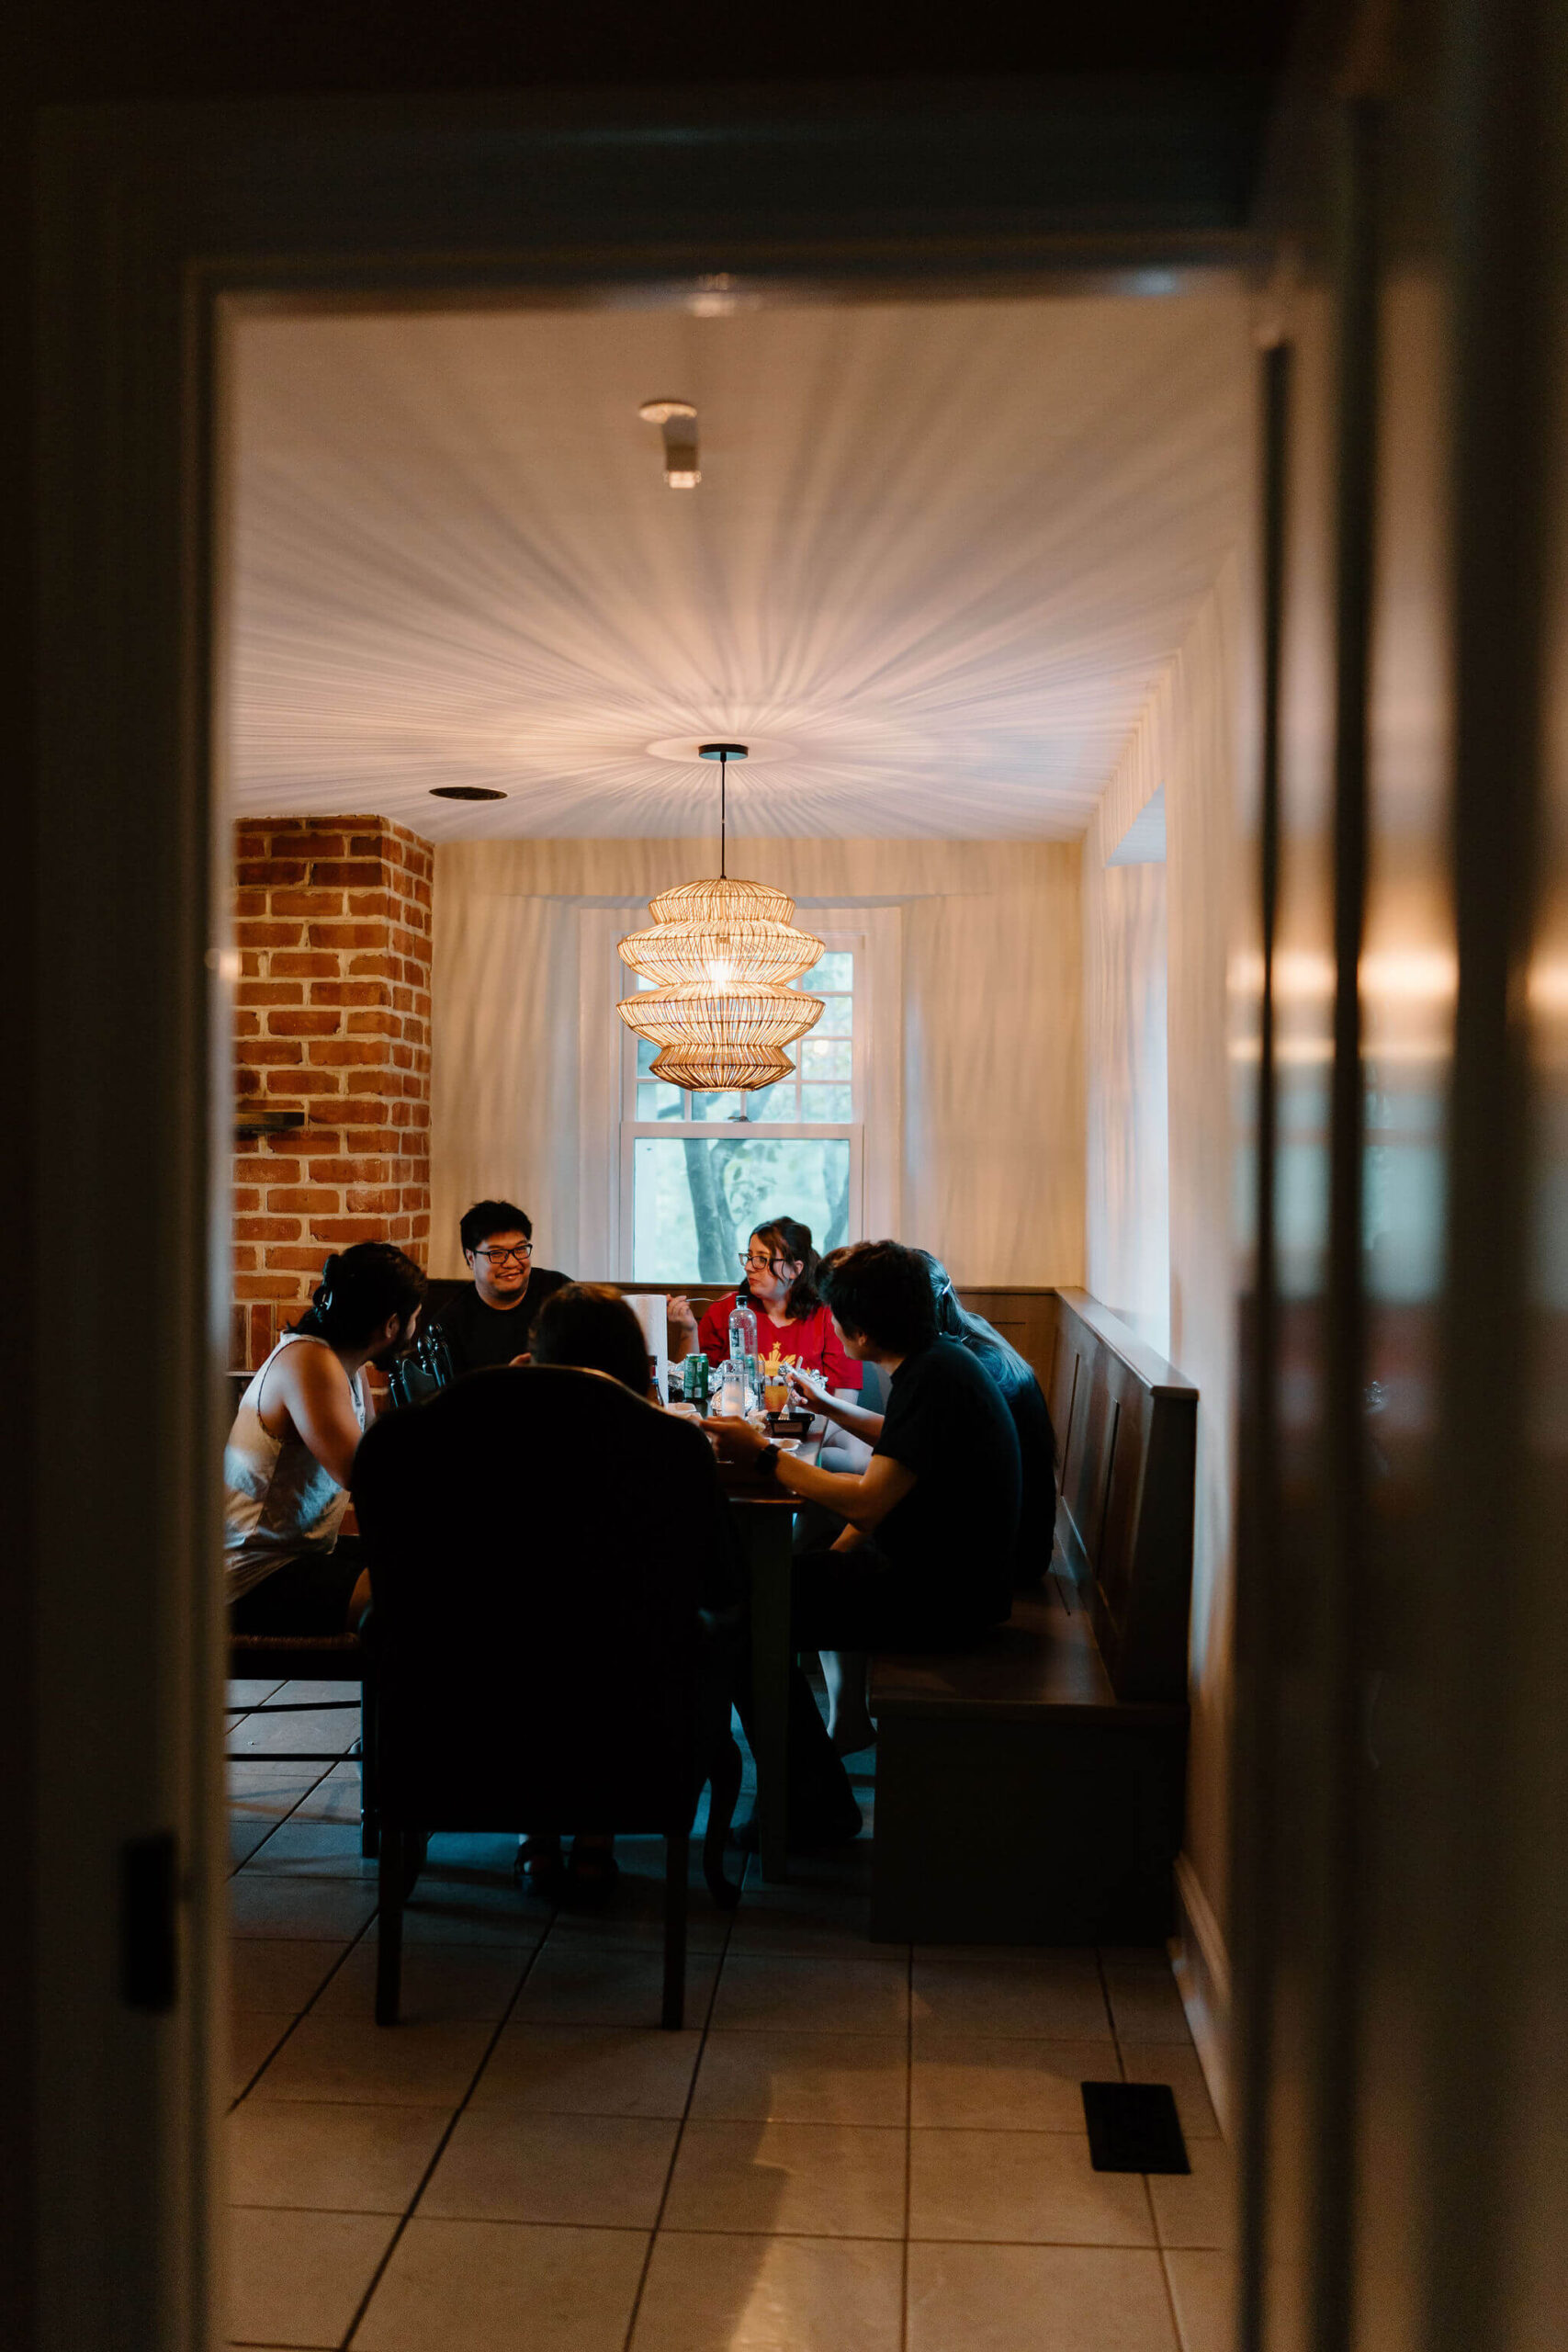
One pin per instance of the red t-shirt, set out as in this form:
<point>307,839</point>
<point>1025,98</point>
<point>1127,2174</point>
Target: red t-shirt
<point>812,1343</point>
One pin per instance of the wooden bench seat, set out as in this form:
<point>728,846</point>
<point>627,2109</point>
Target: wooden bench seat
<point>1030,1788</point>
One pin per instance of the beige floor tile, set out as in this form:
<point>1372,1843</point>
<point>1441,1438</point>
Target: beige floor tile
<point>329,2157</point>
<point>588,2171</point>
<point>264,1790</point>
<point>252,2038</point>
<point>1193,2209</point>
<point>991,2083</point>
<point>804,2078</point>
<point>333,1732</point>
<point>708,2293</point>
<point>250,1692</point>
<point>335,1797</point>
<point>314,1850</point>
<point>634,1917</point>
<point>441,1983</point>
<point>1037,2299</point>
<point>299,2278</point>
<point>589,2070</point>
<point>1202,2286</point>
<point>814,1925</point>
<point>247,1832</point>
<point>579,1982</point>
<point>278,1972</point>
<point>1033,2188</point>
<point>1051,1995</point>
<point>778,1992</point>
<point>502,2287</point>
<point>808,2180</point>
<point>273,1904</point>
<point>1165,2061</point>
<point>1146,2004</point>
<point>352,2058</point>
<point>451,1907</point>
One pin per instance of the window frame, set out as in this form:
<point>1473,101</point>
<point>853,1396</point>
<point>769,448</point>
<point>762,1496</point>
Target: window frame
<point>837,939</point>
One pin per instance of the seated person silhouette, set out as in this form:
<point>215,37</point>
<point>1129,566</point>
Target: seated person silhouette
<point>924,1558</point>
<point>850,1726</point>
<point>589,1326</point>
<point>290,1450</point>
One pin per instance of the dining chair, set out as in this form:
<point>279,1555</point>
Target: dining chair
<point>552,1574</point>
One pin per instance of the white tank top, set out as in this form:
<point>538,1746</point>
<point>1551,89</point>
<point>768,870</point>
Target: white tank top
<point>278,1502</point>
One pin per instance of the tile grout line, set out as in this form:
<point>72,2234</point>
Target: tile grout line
<point>1177,2337</point>
<point>351,1944</point>
<point>442,2144</point>
<point>685,2112</point>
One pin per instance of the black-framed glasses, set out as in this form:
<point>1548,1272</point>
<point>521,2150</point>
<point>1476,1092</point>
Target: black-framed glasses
<point>519,1250</point>
<point>762,1265</point>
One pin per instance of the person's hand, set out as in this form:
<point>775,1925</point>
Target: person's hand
<point>514,1361</point>
<point>737,1442</point>
<point>813,1391</point>
<point>679,1313</point>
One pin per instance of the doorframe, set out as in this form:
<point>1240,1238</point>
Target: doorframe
<point>152,221</point>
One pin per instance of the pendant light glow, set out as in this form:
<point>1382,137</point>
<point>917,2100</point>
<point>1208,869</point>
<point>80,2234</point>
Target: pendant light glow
<point>719,952</point>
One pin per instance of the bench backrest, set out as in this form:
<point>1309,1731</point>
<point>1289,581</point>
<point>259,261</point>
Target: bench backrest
<point>1126,1431</point>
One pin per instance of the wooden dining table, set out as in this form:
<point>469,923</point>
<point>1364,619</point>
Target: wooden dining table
<point>764,1523</point>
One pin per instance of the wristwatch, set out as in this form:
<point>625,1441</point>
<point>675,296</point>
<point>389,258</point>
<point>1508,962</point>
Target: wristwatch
<point>768,1461</point>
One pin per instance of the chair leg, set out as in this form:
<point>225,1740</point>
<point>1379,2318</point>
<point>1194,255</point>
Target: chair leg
<point>677,1861</point>
<point>724,1787</point>
<point>389,1927</point>
<point>369,1825</point>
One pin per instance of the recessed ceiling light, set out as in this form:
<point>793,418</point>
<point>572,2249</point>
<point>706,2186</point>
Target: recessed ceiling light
<point>465,792</point>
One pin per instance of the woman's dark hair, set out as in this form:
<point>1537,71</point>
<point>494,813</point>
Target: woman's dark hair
<point>359,1289</point>
<point>783,1237</point>
<point>953,1321</point>
<point>883,1293</point>
<point>492,1217</point>
<point>591,1326</point>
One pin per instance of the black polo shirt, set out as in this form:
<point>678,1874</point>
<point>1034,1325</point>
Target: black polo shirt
<point>480,1336</point>
<point>955,1534</point>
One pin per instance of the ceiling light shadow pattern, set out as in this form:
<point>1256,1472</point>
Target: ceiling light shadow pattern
<point>941,552</point>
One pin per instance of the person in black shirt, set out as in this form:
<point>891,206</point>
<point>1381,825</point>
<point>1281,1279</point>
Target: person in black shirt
<point>925,1558</point>
<point>1025,1400</point>
<point>493,1323</point>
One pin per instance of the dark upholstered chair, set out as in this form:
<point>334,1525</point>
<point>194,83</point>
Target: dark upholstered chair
<point>544,1549</point>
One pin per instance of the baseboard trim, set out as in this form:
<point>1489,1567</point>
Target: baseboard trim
<point>1203,1971</point>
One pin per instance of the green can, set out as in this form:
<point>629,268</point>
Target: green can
<point>695,1380</point>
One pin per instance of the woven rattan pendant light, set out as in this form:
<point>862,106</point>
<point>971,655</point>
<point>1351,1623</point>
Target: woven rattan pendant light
<point>719,952</point>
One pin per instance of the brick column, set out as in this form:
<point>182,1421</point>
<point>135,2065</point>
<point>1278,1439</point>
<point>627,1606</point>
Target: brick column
<point>332,921</point>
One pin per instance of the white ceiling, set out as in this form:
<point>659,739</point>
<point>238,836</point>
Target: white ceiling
<point>938,556</point>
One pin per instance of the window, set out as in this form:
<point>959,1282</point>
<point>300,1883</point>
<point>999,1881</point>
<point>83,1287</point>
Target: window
<point>702,1170</point>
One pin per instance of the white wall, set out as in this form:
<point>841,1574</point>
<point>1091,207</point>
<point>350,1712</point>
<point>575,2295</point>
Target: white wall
<point>1186,740</point>
<point>990,1159</point>
<point>1127,1204</point>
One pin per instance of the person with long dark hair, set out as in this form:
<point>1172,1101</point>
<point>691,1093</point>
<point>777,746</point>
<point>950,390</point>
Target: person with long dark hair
<point>287,1465</point>
<point>779,1284</point>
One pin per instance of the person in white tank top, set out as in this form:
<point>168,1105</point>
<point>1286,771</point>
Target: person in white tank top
<point>290,1451</point>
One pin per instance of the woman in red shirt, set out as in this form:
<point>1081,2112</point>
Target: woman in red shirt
<point>779,1264</point>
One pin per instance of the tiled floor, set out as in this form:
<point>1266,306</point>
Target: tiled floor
<point>852,2147</point>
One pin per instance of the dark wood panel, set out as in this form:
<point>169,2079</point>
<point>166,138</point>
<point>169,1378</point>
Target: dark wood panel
<point>1124,1525</point>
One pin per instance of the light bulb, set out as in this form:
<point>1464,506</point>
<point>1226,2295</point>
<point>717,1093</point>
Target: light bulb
<point>721,975</point>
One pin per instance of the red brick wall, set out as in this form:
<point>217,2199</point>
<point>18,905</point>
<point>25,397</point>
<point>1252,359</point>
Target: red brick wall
<point>332,922</point>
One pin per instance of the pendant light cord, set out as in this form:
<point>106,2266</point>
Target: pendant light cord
<point>723,778</point>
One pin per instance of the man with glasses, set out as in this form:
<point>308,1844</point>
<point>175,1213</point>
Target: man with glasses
<point>492,1322</point>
